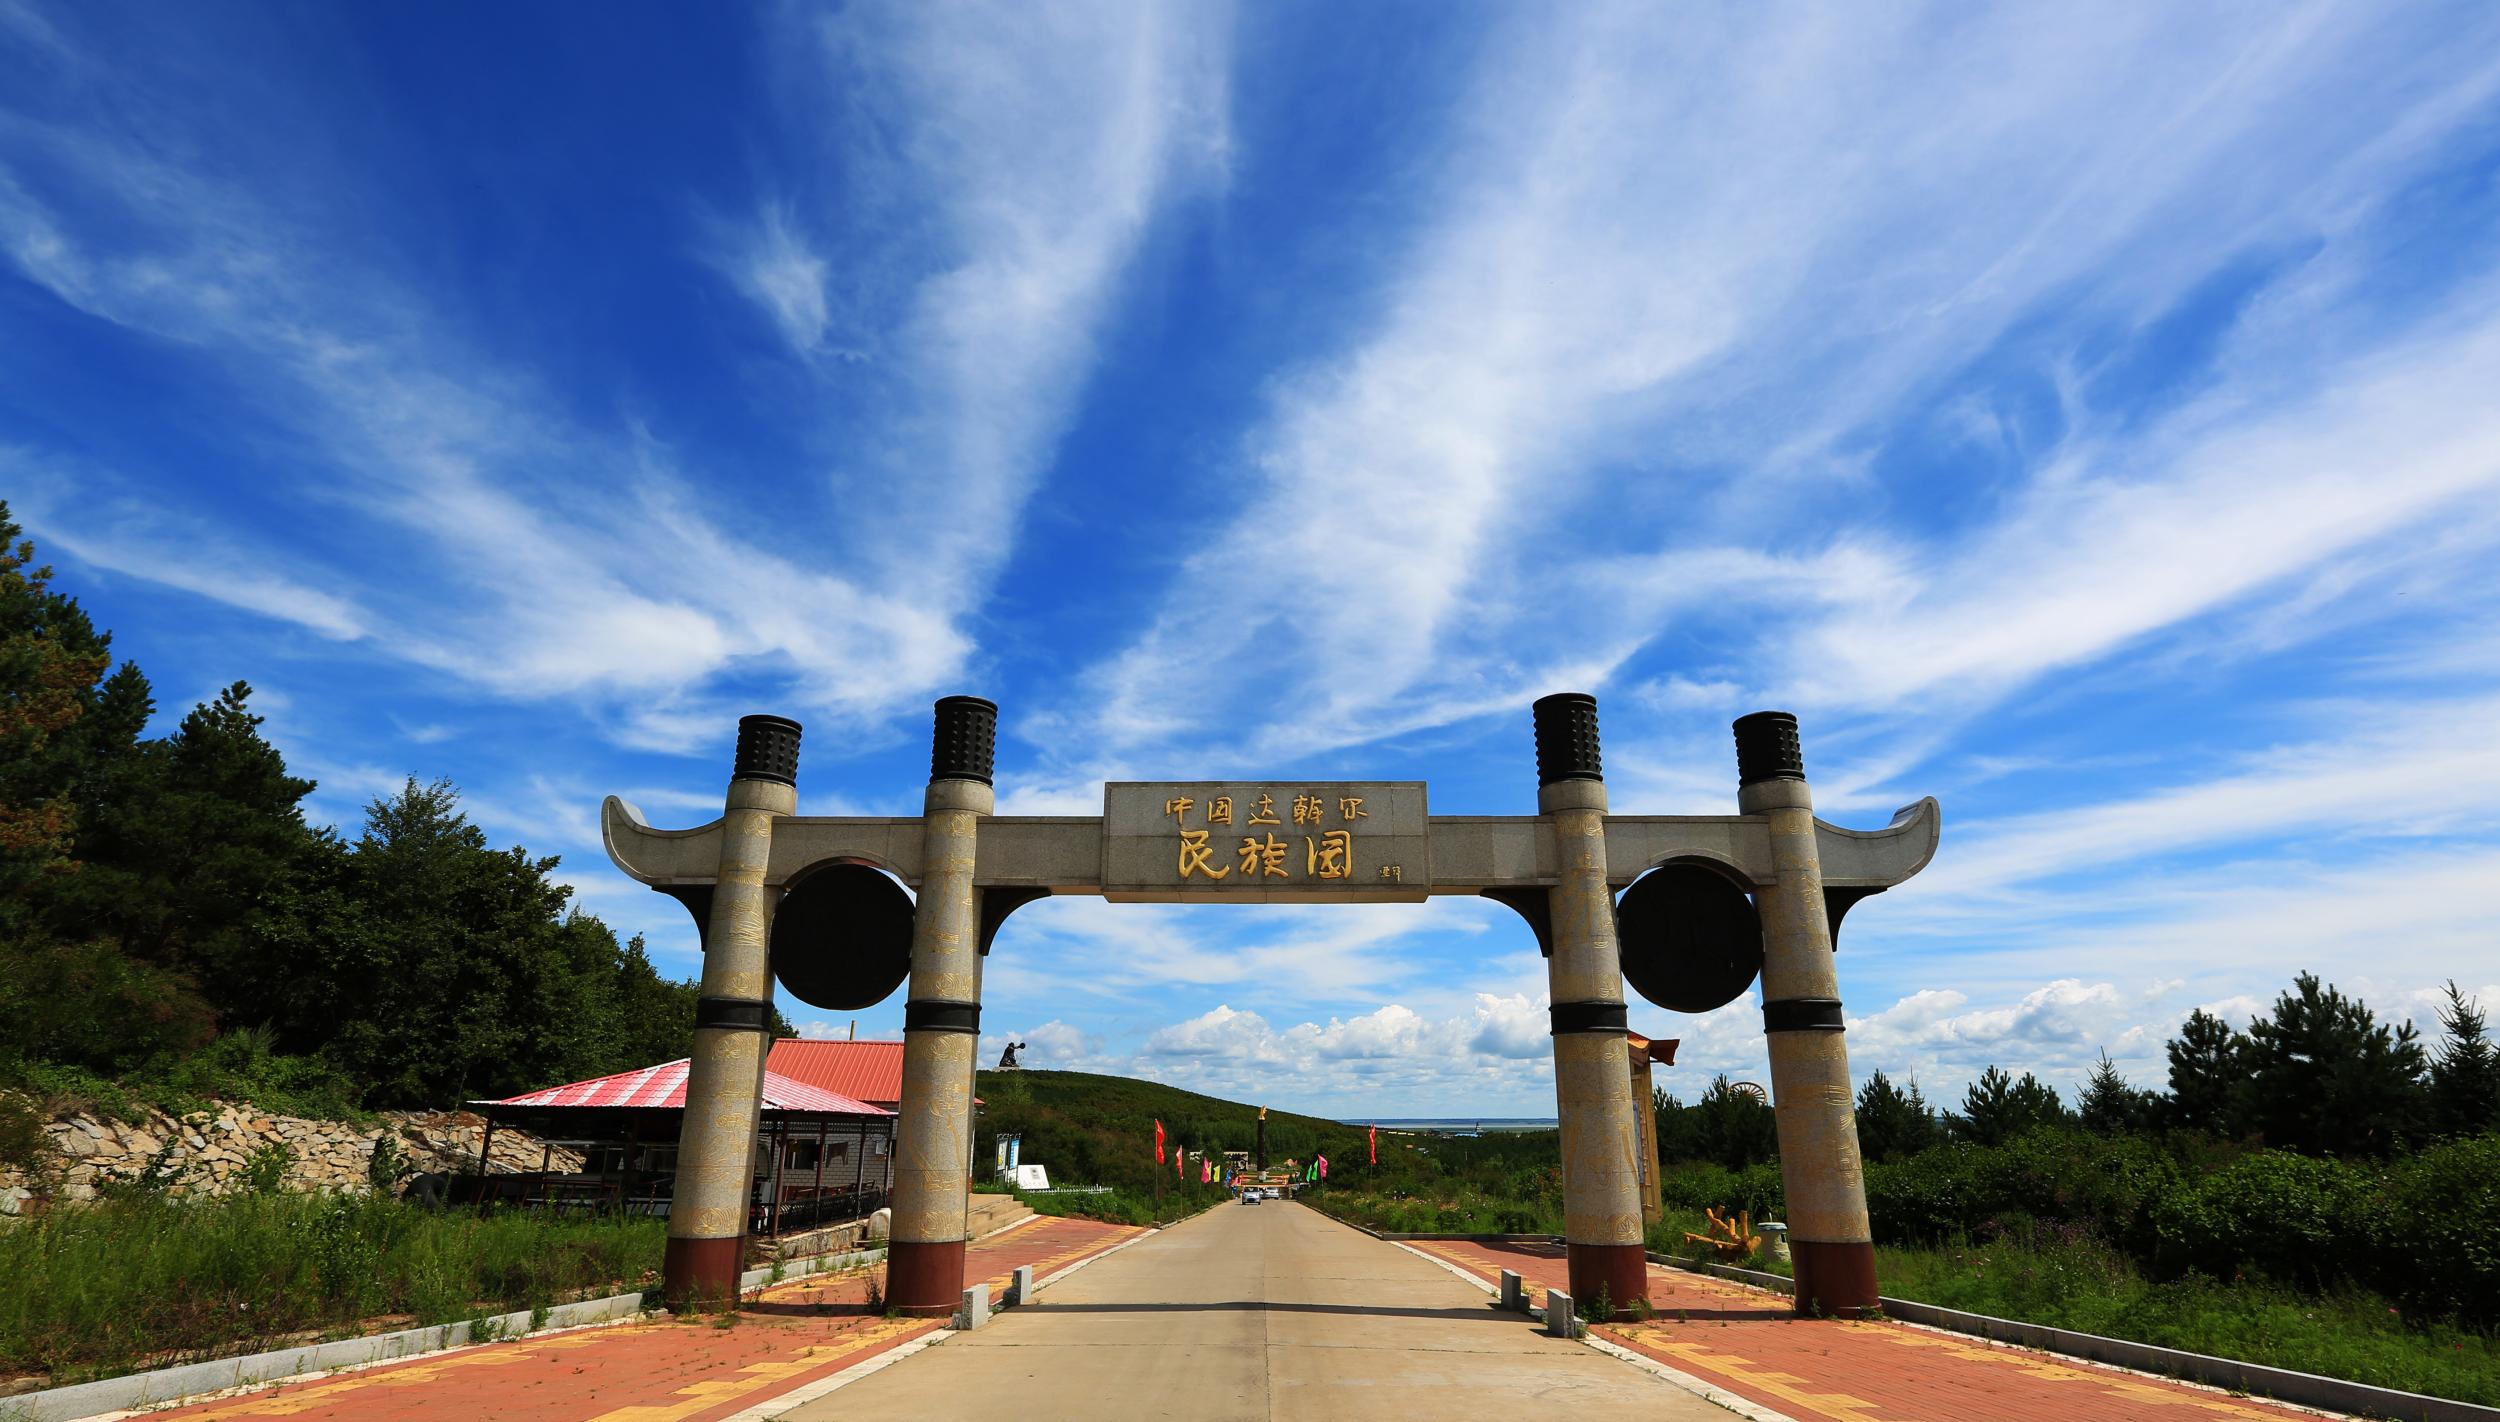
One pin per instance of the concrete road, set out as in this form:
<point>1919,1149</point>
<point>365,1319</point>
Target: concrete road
<point>1259,1312</point>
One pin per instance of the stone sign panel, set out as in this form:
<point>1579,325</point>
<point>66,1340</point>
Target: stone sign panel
<point>1266,841</point>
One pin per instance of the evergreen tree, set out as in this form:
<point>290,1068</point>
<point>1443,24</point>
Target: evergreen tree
<point>51,658</point>
<point>1998,1107</point>
<point>69,993</point>
<point>2465,1076</point>
<point>1733,1128</point>
<point>2327,1078</point>
<point>1891,1122</point>
<point>183,841</point>
<point>2108,1105</point>
<point>2208,1076</point>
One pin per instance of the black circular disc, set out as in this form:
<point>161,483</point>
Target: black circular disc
<point>1690,938</point>
<point>842,938</point>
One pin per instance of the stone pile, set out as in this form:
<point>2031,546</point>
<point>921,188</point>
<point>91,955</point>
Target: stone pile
<point>208,1152</point>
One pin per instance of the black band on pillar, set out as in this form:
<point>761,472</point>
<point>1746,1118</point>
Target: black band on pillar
<point>1767,749</point>
<point>966,744</point>
<point>1566,737</point>
<point>1590,1017</point>
<point>942,1015</point>
<point>768,749</point>
<point>736,1013</point>
<point>1802,1014</point>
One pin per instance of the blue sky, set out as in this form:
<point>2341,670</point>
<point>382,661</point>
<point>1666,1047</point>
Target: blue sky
<point>2087,415</point>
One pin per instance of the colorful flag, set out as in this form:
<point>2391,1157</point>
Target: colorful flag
<point>1158,1141</point>
<point>1206,1172</point>
<point>1322,1163</point>
<point>1375,1138</point>
<point>1178,1155</point>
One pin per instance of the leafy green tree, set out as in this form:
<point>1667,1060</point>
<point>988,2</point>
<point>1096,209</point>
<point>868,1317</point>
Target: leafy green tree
<point>2465,1076</point>
<point>2326,1077</point>
<point>2208,1076</point>
<point>1998,1108</point>
<point>1893,1123</point>
<point>2109,1106</point>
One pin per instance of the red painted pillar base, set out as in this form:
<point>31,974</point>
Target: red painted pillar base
<point>924,1280</point>
<point>1834,1280</point>
<point>1620,1270</point>
<point>701,1273</point>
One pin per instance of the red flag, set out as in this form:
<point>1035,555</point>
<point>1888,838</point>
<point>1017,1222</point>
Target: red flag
<point>1158,1141</point>
<point>1375,1145</point>
<point>1178,1155</point>
<point>1206,1172</point>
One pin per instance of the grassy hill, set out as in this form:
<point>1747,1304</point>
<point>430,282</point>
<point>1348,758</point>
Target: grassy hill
<point>1099,1130</point>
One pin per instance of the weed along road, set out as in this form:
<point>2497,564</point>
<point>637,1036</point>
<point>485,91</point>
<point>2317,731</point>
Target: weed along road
<point>1266,1312</point>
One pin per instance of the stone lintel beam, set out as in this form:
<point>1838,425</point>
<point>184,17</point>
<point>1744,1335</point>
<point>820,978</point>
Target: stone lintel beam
<point>1470,853</point>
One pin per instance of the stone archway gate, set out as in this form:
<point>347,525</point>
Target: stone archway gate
<point>1274,842</point>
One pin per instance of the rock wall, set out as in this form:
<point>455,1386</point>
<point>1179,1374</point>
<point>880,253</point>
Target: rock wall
<point>207,1152</point>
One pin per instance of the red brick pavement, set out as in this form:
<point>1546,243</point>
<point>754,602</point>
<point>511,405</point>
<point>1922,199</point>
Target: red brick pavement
<point>660,1369</point>
<point>1748,1342</point>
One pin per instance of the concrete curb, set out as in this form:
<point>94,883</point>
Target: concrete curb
<point>2307,1390</point>
<point>163,1386</point>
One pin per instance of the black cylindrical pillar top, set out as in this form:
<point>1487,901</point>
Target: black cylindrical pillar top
<point>966,745</point>
<point>1767,749</point>
<point>768,749</point>
<point>1566,737</point>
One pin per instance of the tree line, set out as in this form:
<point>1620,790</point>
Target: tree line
<point>2319,1074</point>
<point>169,917</point>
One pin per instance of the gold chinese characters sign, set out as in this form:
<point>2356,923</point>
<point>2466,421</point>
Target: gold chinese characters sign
<point>1263,841</point>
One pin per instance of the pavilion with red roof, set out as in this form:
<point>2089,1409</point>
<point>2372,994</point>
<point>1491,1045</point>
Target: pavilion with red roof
<point>825,1149</point>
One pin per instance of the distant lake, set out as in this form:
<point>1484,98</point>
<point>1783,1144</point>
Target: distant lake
<point>1456,1125</point>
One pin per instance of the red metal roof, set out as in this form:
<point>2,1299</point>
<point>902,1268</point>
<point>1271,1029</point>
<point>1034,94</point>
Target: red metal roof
<point>869,1071</point>
<point>665,1085</point>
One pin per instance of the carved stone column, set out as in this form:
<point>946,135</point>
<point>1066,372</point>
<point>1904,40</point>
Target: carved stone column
<point>1833,1248</point>
<point>1592,1088</point>
<point>707,1214</point>
<point>942,1020</point>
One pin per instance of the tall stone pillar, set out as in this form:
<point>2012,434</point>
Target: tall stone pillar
<point>707,1216</point>
<point>1833,1248</point>
<point>1592,1088</point>
<point>942,1020</point>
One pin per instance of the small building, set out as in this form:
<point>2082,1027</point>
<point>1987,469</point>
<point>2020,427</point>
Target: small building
<point>821,1154</point>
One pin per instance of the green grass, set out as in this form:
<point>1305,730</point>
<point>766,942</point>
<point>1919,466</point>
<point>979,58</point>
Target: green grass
<point>150,1282</point>
<point>2086,1285</point>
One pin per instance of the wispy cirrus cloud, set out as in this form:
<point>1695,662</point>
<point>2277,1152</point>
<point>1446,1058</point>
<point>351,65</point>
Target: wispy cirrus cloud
<point>1679,275</point>
<point>583,560</point>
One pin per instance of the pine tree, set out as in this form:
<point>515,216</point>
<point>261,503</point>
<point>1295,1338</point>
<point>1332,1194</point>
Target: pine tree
<point>1733,1128</point>
<point>1998,1108</point>
<point>1893,1123</point>
<point>51,657</point>
<point>2208,1076</point>
<point>2108,1105</point>
<point>2327,1078</point>
<point>2465,1076</point>
<point>69,993</point>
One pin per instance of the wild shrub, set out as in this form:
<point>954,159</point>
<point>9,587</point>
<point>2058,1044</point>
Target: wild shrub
<point>2291,1218</point>
<point>2440,1246</point>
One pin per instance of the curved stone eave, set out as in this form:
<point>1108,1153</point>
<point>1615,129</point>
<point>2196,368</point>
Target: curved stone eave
<point>1879,859</point>
<point>658,856</point>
